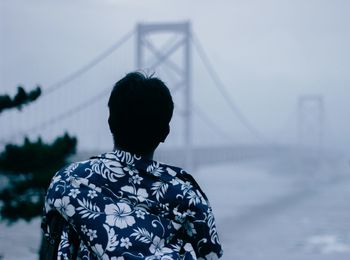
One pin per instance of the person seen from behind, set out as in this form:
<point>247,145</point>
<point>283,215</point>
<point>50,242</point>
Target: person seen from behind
<point>122,204</point>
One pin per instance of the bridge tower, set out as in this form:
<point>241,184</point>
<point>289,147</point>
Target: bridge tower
<point>146,50</point>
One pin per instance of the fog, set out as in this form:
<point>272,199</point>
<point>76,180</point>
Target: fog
<point>267,54</point>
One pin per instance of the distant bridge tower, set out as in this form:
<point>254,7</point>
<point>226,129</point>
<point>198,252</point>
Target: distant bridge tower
<point>146,49</point>
<point>311,121</point>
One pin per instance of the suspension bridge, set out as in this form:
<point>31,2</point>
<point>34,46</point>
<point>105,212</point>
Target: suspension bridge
<point>165,49</point>
<point>267,201</point>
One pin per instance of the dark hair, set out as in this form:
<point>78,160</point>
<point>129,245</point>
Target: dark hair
<point>140,110</point>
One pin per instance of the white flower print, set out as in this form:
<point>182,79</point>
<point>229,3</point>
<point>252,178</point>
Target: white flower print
<point>211,256</point>
<point>99,252</point>
<point>171,171</point>
<point>94,187</point>
<point>141,194</point>
<point>176,225</point>
<point>186,186</point>
<point>125,242</point>
<point>160,257</point>
<point>119,215</point>
<point>77,181</point>
<point>136,179</point>
<point>92,194</point>
<point>159,189</point>
<point>155,169</point>
<point>157,248</point>
<point>141,206</point>
<point>129,168</point>
<point>55,179</point>
<point>63,206</point>
<point>214,238</point>
<point>193,197</point>
<point>174,182</point>
<point>84,229</point>
<point>62,256</point>
<point>83,248</point>
<point>178,215</point>
<point>111,156</point>
<point>189,213</point>
<point>70,168</point>
<point>110,169</point>
<point>91,234</point>
<point>48,203</point>
<point>189,248</point>
<point>112,238</point>
<point>125,156</point>
<point>140,214</point>
<point>189,227</point>
<point>64,240</point>
<point>87,209</point>
<point>73,193</point>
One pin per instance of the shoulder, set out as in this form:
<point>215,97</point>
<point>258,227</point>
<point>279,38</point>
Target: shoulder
<point>77,167</point>
<point>63,176</point>
<point>190,194</point>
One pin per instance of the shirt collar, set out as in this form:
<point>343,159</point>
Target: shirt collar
<point>163,171</point>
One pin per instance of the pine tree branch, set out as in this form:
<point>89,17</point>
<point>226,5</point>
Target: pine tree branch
<point>20,99</point>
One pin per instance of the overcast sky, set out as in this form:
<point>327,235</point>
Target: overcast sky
<point>267,53</point>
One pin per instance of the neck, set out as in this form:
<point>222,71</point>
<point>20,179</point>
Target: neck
<point>148,156</point>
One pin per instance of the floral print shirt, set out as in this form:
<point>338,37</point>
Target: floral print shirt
<point>122,206</point>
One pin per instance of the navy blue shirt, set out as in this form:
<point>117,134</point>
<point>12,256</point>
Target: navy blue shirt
<point>123,206</point>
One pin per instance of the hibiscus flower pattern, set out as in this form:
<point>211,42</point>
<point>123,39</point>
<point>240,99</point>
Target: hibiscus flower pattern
<point>119,215</point>
<point>63,206</point>
<point>124,206</point>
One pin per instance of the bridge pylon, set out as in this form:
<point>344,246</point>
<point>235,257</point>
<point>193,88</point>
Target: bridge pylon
<point>145,47</point>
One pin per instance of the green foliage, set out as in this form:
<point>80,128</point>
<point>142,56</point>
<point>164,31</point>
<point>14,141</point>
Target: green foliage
<point>20,99</point>
<point>29,168</point>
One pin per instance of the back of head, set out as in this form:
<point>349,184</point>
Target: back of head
<point>140,110</point>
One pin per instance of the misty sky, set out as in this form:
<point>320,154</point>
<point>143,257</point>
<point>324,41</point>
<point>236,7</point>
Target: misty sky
<point>267,52</point>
